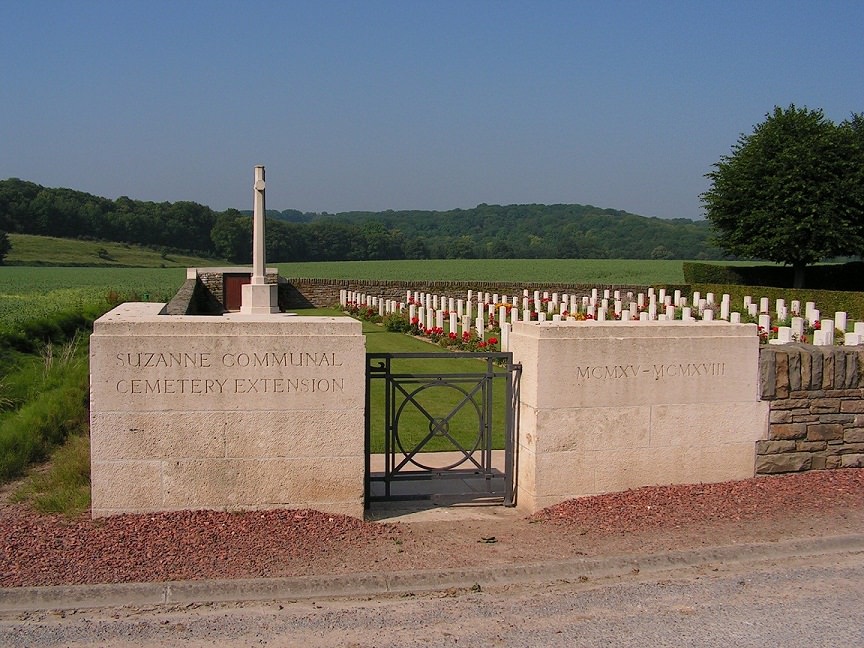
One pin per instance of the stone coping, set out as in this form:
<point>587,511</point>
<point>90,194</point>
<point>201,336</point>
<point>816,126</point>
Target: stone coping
<point>633,328</point>
<point>149,318</point>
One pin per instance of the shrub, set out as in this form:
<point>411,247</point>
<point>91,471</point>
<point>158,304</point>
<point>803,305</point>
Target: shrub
<point>396,323</point>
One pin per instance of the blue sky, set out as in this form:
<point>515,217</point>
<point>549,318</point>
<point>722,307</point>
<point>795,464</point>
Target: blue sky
<point>373,105</point>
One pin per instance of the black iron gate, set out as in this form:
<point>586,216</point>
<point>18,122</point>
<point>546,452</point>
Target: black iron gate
<point>432,416</point>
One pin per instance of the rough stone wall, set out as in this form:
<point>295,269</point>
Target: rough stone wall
<point>322,293</point>
<point>816,400</point>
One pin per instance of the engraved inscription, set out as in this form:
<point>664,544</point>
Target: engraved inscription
<point>654,371</point>
<point>154,382</point>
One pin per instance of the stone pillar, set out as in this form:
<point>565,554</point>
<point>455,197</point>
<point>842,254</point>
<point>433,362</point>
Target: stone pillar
<point>258,251</point>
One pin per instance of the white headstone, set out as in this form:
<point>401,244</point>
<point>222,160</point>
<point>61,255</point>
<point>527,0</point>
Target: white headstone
<point>840,320</point>
<point>797,327</point>
<point>827,328</point>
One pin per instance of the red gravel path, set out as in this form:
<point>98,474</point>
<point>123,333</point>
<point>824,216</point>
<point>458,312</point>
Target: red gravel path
<point>52,550</point>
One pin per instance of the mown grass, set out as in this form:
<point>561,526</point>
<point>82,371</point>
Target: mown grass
<point>32,250</point>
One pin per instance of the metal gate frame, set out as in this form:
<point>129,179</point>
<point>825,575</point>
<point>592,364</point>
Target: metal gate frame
<point>400,390</point>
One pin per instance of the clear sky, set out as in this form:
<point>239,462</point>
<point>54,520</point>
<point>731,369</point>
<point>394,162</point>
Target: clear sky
<point>378,104</point>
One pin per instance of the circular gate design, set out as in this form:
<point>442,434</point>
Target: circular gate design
<point>438,426</point>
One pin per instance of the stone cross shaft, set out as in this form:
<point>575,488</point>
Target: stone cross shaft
<point>258,260</point>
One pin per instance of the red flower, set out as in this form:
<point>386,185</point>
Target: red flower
<point>452,335</point>
<point>493,340</point>
<point>817,325</point>
<point>481,344</point>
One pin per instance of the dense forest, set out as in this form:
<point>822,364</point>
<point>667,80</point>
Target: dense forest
<point>486,231</point>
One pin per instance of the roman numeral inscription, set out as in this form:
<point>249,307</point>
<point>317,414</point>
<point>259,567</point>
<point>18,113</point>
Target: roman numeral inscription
<point>653,371</point>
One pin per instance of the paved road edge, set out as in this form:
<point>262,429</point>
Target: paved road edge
<point>31,599</point>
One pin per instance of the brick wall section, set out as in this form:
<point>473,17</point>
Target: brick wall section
<point>322,293</point>
<point>816,400</point>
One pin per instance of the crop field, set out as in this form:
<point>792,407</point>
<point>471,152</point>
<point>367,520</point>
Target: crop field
<point>580,271</point>
<point>28,293</point>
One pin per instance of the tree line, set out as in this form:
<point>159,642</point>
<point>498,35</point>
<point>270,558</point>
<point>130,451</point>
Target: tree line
<point>485,231</point>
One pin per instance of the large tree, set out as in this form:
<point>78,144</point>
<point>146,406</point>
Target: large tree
<point>791,191</point>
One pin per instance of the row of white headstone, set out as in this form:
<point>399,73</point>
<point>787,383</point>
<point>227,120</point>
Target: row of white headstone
<point>480,309</point>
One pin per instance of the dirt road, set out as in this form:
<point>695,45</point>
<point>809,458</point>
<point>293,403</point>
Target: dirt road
<point>814,602</point>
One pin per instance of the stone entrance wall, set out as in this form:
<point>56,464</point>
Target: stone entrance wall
<point>228,413</point>
<point>610,406</point>
<point>816,398</point>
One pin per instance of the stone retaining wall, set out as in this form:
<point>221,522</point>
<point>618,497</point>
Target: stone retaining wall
<point>322,293</point>
<point>816,400</point>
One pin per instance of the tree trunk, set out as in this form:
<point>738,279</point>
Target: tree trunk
<point>798,274</point>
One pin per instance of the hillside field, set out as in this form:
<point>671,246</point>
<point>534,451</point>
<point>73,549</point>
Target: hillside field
<point>30,250</point>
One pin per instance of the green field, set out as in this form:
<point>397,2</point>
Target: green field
<point>577,271</point>
<point>28,293</point>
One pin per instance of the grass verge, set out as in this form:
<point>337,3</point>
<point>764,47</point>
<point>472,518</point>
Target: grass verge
<point>64,485</point>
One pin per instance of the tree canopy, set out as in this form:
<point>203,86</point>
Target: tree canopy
<point>486,231</point>
<point>791,191</point>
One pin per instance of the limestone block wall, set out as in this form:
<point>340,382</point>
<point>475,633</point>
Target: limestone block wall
<point>610,406</point>
<point>231,412</point>
<point>816,399</point>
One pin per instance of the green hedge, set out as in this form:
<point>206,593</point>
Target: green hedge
<point>846,276</point>
<point>827,301</point>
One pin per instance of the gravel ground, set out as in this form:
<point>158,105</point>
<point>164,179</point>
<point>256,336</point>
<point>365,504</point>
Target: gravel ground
<point>40,549</point>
